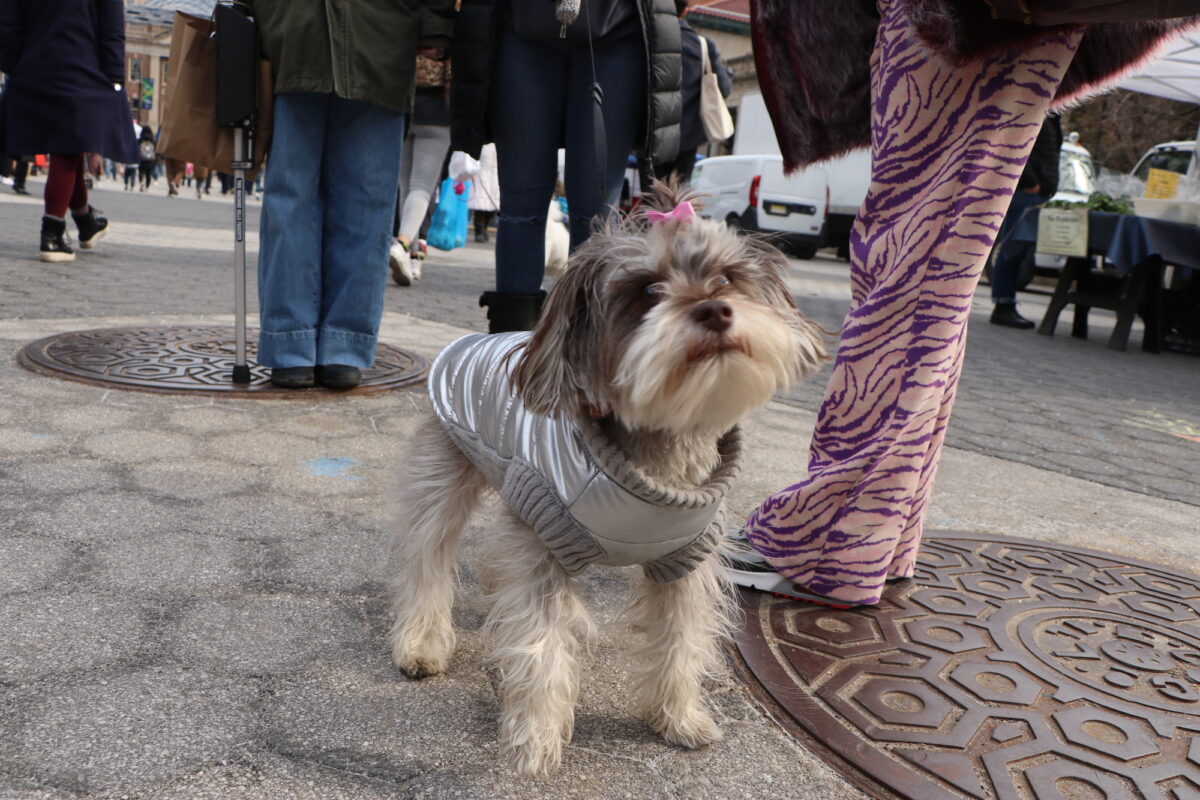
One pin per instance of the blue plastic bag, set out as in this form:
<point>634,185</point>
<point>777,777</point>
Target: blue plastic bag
<point>448,228</point>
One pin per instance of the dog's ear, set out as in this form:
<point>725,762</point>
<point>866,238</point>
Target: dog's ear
<point>551,374</point>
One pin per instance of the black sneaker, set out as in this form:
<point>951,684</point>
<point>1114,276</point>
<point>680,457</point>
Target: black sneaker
<point>55,242</point>
<point>92,227</point>
<point>338,376</point>
<point>293,377</point>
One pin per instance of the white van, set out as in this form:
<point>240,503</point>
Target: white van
<point>848,176</point>
<point>1171,156</point>
<point>752,193</point>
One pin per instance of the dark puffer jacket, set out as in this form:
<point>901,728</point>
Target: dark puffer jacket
<point>1042,168</point>
<point>474,43</point>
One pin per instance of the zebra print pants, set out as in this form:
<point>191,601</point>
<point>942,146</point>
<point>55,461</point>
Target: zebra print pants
<point>949,142</point>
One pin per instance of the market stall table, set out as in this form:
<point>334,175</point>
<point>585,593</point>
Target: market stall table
<point>1137,252</point>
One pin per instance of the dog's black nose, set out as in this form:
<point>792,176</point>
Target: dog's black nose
<point>716,315</point>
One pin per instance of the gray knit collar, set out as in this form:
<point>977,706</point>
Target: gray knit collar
<point>612,462</point>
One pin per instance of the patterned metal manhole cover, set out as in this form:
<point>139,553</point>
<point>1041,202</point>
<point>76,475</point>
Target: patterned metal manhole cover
<point>189,360</point>
<point>1006,669</point>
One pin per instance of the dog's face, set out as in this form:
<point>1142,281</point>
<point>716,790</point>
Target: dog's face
<point>677,326</point>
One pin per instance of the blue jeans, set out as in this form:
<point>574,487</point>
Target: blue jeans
<point>542,100</point>
<point>325,230</point>
<point>1007,267</point>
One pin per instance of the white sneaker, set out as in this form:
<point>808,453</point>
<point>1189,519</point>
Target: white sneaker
<point>746,567</point>
<point>400,264</point>
<point>415,265</point>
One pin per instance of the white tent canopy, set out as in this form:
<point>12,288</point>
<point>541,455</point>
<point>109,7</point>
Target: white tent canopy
<point>1174,75</point>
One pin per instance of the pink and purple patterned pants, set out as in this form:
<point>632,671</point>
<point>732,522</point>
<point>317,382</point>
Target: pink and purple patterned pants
<point>949,142</point>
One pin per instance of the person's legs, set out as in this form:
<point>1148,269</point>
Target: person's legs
<point>291,231</point>
<point>682,167</point>
<point>482,220</point>
<point>429,144</point>
<point>526,112</point>
<point>1006,269</point>
<point>406,165</point>
<point>64,184</point>
<point>360,166</point>
<point>918,249</point>
<point>79,193</point>
<point>19,173</point>
<point>621,73</point>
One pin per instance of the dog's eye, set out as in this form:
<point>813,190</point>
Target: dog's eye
<point>653,292</point>
<point>721,280</point>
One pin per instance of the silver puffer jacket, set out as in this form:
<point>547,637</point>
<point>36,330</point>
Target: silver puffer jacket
<point>565,479</point>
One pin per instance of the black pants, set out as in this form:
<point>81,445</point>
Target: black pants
<point>683,167</point>
<point>14,167</point>
<point>482,220</point>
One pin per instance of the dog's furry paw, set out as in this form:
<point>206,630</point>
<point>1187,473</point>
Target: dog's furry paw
<point>418,668</point>
<point>694,730</point>
<point>417,664</point>
<point>536,758</point>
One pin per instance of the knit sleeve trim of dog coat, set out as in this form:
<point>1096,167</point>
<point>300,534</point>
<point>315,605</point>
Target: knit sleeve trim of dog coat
<point>571,484</point>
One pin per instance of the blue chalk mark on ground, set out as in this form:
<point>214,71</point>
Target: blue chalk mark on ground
<point>333,468</point>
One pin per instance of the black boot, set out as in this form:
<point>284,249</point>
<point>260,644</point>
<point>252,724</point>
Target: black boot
<point>512,312</point>
<point>1006,314</point>
<point>54,241</point>
<point>91,227</point>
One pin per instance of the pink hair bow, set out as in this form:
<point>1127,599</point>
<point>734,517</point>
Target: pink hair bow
<point>684,212</point>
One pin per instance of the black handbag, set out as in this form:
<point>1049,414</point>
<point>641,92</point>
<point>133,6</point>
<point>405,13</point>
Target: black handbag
<point>1070,12</point>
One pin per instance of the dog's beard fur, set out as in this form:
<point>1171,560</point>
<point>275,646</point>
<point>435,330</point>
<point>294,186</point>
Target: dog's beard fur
<point>629,333</point>
<point>677,379</point>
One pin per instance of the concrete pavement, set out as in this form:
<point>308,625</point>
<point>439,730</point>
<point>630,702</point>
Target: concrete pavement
<point>191,589</point>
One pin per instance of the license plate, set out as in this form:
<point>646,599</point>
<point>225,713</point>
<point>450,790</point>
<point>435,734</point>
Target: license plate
<point>778,209</point>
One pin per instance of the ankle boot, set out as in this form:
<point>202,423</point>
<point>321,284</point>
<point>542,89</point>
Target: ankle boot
<point>54,241</point>
<point>512,312</point>
<point>1006,314</point>
<point>91,227</point>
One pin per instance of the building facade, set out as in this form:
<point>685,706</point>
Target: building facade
<point>148,25</point>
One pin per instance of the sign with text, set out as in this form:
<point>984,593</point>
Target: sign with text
<point>1162,184</point>
<point>1063,231</point>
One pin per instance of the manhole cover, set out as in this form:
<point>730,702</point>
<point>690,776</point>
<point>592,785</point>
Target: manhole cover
<point>188,360</point>
<point>1006,669</point>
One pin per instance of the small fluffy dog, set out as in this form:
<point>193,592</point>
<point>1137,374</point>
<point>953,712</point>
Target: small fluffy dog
<point>611,435</point>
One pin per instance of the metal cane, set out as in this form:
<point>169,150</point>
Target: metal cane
<point>237,108</point>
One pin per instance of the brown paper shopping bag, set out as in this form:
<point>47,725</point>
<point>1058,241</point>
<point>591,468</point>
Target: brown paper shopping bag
<point>189,129</point>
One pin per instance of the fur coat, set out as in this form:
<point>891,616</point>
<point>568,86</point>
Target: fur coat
<point>813,59</point>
